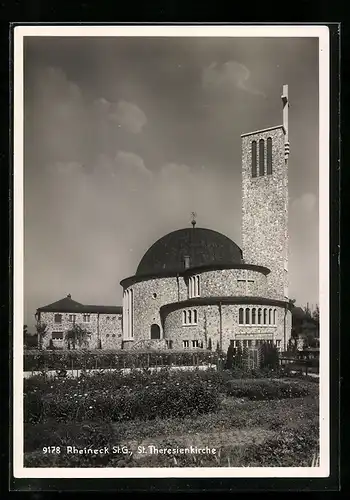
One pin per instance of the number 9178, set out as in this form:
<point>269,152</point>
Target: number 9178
<point>51,449</point>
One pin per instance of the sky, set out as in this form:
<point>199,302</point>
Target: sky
<point>125,137</point>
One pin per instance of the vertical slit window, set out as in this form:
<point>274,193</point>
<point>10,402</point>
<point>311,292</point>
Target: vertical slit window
<point>265,316</point>
<point>270,316</point>
<point>269,156</point>
<point>274,316</point>
<point>253,316</point>
<point>247,316</point>
<point>259,316</point>
<point>241,316</point>
<point>194,316</point>
<point>254,173</point>
<point>261,157</point>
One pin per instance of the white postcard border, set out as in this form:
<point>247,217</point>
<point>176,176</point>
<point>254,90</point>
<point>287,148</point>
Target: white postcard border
<point>319,31</point>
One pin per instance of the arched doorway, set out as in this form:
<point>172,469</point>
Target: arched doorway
<point>155,331</point>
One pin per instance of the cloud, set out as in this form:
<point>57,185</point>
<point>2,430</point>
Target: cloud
<point>305,204</point>
<point>228,75</point>
<point>126,115</point>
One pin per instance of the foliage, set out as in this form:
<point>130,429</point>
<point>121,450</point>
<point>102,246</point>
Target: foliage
<point>114,359</point>
<point>229,357</point>
<point>269,356</point>
<point>77,336</point>
<point>137,395</point>
<point>266,389</point>
<point>288,441</point>
<point>41,330</point>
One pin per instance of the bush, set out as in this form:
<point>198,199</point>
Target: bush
<point>117,359</point>
<point>265,389</point>
<point>141,395</point>
<point>292,448</point>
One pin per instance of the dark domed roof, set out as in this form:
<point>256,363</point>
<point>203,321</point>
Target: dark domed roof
<point>204,247</point>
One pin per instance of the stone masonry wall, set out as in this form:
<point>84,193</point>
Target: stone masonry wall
<point>151,295</point>
<point>208,326</point>
<point>225,282</point>
<point>106,325</point>
<point>265,212</point>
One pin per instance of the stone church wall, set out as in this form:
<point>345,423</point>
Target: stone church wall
<point>265,211</point>
<point>208,326</point>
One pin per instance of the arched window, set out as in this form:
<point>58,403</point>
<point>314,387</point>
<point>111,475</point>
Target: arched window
<point>194,316</point>
<point>184,317</point>
<point>274,316</point>
<point>265,316</point>
<point>247,316</point>
<point>189,317</point>
<point>259,316</point>
<point>198,287</point>
<point>270,316</point>
<point>253,316</point>
<point>269,156</point>
<point>254,159</point>
<point>261,157</point>
<point>241,316</point>
<point>155,331</point>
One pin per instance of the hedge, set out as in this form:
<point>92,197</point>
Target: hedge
<point>97,359</point>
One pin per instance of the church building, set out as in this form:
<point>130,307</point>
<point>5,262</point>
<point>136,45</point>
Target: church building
<point>195,288</point>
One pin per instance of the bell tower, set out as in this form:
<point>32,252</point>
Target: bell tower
<point>265,201</point>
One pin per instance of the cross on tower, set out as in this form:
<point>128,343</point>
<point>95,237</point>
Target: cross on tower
<point>285,102</point>
<point>245,280</point>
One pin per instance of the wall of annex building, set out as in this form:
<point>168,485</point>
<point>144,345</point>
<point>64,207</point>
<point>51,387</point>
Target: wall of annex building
<point>208,326</point>
<point>106,327</point>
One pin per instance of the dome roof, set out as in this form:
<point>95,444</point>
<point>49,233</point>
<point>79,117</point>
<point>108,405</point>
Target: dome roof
<point>204,247</point>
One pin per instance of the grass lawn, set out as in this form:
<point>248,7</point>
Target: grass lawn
<point>247,431</point>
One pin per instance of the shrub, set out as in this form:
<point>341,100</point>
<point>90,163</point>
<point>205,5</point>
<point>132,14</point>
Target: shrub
<point>265,389</point>
<point>291,448</point>
<point>116,359</point>
<point>141,395</point>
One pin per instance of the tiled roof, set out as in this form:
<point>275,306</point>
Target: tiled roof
<point>72,306</point>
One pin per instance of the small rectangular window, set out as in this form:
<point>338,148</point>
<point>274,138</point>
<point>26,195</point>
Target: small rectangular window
<point>86,318</point>
<point>58,318</point>
<point>186,344</point>
<point>71,318</point>
<point>57,335</point>
<point>195,343</point>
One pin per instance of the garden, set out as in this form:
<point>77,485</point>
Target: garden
<point>255,418</point>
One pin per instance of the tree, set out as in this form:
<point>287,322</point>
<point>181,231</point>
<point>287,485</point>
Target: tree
<point>209,344</point>
<point>238,359</point>
<point>41,330</point>
<point>77,336</point>
<point>229,357</point>
<point>269,356</point>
